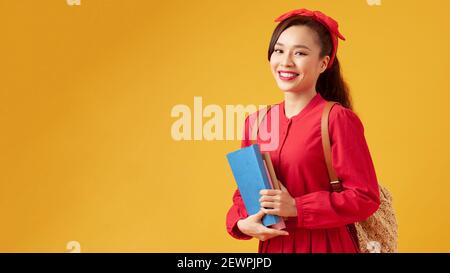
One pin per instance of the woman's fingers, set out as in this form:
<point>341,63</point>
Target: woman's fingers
<point>269,198</point>
<point>265,237</point>
<point>271,211</point>
<point>272,231</point>
<point>269,205</point>
<point>259,215</point>
<point>269,192</point>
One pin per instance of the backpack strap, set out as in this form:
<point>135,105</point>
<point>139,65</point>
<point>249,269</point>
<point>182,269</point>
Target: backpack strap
<point>258,121</point>
<point>336,185</point>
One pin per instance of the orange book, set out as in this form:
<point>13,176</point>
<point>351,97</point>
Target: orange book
<point>271,171</point>
<point>274,183</point>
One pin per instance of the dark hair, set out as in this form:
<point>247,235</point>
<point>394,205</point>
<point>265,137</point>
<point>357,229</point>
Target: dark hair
<point>330,83</point>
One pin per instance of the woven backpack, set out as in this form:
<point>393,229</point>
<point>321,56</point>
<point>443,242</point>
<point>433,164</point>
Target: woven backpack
<point>378,233</point>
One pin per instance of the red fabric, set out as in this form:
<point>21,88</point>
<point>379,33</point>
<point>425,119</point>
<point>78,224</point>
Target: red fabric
<point>320,225</point>
<point>325,20</point>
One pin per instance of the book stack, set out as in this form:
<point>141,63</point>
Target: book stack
<point>253,171</point>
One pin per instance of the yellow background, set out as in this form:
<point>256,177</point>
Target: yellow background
<point>86,93</point>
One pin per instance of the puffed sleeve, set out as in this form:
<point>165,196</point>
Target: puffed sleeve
<point>238,210</point>
<point>353,165</point>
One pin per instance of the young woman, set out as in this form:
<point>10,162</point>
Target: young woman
<point>302,56</point>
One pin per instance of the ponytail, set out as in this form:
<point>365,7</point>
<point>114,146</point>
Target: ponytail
<point>332,87</point>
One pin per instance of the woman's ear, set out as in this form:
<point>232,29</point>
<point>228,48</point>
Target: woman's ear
<point>324,63</point>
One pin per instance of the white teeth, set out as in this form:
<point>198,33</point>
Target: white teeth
<point>283,74</point>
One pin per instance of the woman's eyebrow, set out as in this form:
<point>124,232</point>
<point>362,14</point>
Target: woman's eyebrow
<point>295,46</point>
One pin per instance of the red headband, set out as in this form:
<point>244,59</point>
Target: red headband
<point>328,22</point>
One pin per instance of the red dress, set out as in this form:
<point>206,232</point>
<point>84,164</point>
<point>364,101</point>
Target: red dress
<point>322,216</point>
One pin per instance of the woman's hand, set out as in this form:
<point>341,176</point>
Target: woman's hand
<point>252,226</point>
<point>278,202</point>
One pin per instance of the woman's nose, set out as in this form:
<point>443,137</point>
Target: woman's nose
<point>286,60</point>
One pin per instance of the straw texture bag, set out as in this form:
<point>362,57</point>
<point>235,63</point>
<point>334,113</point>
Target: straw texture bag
<point>379,232</point>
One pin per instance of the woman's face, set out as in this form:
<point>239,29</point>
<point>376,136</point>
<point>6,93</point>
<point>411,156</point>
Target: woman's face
<point>295,62</point>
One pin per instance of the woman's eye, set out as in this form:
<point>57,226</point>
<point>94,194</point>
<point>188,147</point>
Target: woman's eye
<point>278,51</point>
<point>300,54</point>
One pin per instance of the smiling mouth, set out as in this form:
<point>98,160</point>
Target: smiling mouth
<point>287,76</point>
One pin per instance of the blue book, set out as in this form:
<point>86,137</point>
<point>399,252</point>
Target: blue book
<point>251,177</point>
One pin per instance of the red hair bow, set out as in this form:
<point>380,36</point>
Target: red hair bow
<point>328,22</point>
